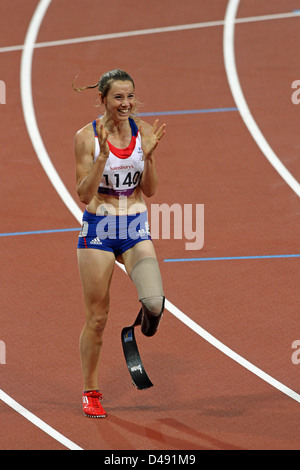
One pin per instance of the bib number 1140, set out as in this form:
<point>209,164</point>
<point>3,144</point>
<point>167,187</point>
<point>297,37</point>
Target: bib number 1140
<point>129,179</point>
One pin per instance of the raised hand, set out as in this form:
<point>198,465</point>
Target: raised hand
<point>151,137</point>
<point>102,137</point>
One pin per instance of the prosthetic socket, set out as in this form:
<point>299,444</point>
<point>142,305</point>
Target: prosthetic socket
<point>147,279</point>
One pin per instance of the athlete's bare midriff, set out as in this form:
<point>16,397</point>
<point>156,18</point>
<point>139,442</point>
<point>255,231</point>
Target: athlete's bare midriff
<point>110,205</point>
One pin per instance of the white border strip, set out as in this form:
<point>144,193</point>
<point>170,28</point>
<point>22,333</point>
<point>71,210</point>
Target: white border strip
<point>141,32</point>
<point>236,90</point>
<point>33,131</point>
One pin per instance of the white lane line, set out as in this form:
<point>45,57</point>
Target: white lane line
<point>230,353</point>
<point>238,96</point>
<point>38,422</point>
<point>141,32</point>
<point>28,108</point>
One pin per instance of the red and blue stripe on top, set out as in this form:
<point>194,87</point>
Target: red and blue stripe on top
<point>124,167</point>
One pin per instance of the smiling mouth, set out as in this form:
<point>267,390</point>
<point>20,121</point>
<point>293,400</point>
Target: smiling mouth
<point>124,111</point>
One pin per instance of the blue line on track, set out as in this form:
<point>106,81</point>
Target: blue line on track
<point>189,111</point>
<point>173,260</point>
<point>231,258</point>
<point>38,232</point>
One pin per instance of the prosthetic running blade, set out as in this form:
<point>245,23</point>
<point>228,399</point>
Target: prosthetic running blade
<point>132,356</point>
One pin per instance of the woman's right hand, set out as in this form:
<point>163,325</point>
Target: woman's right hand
<point>102,137</point>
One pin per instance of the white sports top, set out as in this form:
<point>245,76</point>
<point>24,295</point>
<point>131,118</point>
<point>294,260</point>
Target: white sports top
<point>124,167</point>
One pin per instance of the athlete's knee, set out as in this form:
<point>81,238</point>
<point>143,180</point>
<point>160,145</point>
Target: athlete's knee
<point>97,324</point>
<point>153,308</point>
<point>154,305</point>
<point>96,317</point>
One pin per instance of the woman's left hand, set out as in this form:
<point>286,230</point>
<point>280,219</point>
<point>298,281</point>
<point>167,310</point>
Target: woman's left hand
<point>151,137</point>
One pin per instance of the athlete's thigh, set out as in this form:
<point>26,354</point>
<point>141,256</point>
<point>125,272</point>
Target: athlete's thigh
<point>143,249</point>
<point>95,268</point>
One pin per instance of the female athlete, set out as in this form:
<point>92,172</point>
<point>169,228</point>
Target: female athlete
<point>115,167</point>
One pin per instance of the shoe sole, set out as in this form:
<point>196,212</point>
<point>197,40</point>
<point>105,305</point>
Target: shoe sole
<point>91,416</point>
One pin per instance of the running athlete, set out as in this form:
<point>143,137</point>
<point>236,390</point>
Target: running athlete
<point>115,167</point>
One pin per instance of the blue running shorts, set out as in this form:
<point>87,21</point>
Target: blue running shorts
<point>114,233</point>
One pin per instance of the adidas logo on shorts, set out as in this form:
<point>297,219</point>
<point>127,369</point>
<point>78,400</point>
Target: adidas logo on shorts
<point>96,241</point>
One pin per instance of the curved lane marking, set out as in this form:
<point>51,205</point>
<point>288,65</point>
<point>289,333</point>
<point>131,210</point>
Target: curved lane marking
<point>238,96</point>
<point>29,113</point>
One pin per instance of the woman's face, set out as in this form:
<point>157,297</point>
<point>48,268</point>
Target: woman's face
<point>120,100</point>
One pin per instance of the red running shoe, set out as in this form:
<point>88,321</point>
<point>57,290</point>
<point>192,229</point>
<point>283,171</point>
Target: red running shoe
<point>92,406</point>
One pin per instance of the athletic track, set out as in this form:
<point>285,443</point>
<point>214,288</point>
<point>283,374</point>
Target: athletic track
<point>220,74</point>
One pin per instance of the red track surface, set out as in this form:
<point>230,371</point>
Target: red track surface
<point>201,399</point>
